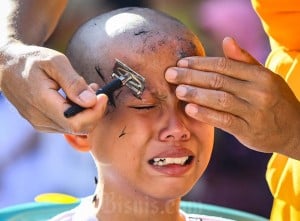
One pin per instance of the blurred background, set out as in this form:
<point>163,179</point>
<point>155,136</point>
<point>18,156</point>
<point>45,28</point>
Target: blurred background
<point>32,163</point>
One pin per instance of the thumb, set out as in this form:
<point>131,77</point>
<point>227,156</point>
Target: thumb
<point>72,83</point>
<point>233,51</point>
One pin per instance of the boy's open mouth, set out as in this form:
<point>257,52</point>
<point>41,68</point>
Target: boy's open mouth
<point>159,161</point>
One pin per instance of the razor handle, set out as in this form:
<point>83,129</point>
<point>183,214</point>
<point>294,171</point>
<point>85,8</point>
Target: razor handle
<point>108,89</point>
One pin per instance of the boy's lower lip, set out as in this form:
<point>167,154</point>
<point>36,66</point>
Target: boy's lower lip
<point>173,169</point>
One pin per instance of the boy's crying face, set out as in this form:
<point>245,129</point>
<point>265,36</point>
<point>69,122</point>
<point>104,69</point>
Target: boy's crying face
<point>149,146</point>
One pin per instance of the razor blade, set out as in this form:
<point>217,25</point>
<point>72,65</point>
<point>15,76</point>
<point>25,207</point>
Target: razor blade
<point>123,75</point>
<point>134,81</point>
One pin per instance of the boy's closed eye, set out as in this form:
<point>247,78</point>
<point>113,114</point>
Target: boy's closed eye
<point>149,101</point>
<point>142,107</point>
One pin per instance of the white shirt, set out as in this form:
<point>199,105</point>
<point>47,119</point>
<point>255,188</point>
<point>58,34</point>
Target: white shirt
<point>85,212</point>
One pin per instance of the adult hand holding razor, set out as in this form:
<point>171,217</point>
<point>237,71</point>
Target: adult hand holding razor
<point>123,75</point>
<point>30,76</point>
<point>39,73</point>
<point>242,97</point>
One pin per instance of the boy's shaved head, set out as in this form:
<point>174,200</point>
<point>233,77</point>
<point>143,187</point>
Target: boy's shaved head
<point>141,147</point>
<point>132,35</point>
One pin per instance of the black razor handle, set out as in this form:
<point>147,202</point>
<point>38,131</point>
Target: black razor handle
<point>107,89</point>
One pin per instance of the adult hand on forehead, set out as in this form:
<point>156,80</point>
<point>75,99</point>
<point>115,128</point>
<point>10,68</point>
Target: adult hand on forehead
<point>239,95</point>
<point>30,78</point>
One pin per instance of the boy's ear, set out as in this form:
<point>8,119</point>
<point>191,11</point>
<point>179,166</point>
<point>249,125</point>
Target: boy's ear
<point>78,142</point>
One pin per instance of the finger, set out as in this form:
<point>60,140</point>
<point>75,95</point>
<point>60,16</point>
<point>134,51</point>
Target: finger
<point>52,104</point>
<point>213,99</point>
<point>222,120</point>
<point>235,69</point>
<point>56,104</point>
<point>74,85</point>
<point>29,107</point>
<point>244,68</point>
<point>94,86</point>
<point>85,121</point>
<point>39,119</point>
<point>209,80</point>
<point>47,125</point>
<point>233,51</point>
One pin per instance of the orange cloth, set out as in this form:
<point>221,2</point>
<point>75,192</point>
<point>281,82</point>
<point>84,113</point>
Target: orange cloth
<point>281,21</point>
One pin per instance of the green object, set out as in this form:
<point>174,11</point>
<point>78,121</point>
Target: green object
<point>44,211</point>
<point>34,211</point>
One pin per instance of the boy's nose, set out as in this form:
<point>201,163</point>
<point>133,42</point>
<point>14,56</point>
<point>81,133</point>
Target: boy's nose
<point>175,129</point>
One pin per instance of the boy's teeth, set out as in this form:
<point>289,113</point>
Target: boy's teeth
<point>169,160</point>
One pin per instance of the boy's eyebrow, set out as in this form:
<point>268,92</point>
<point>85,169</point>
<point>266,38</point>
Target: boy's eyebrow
<point>151,92</point>
<point>156,94</point>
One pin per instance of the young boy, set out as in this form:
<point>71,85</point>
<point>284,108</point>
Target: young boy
<point>149,153</point>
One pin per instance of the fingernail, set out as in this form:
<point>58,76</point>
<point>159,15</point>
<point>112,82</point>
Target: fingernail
<point>229,39</point>
<point>171,74</point>
<point>102,97</point>
<point>191,110</point>
<point>183,63</point>
<point>181,91</point>
<point>86,96</point>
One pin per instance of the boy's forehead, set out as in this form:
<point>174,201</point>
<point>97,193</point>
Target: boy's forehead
<point>155,85</point>
<point>151,67</point>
